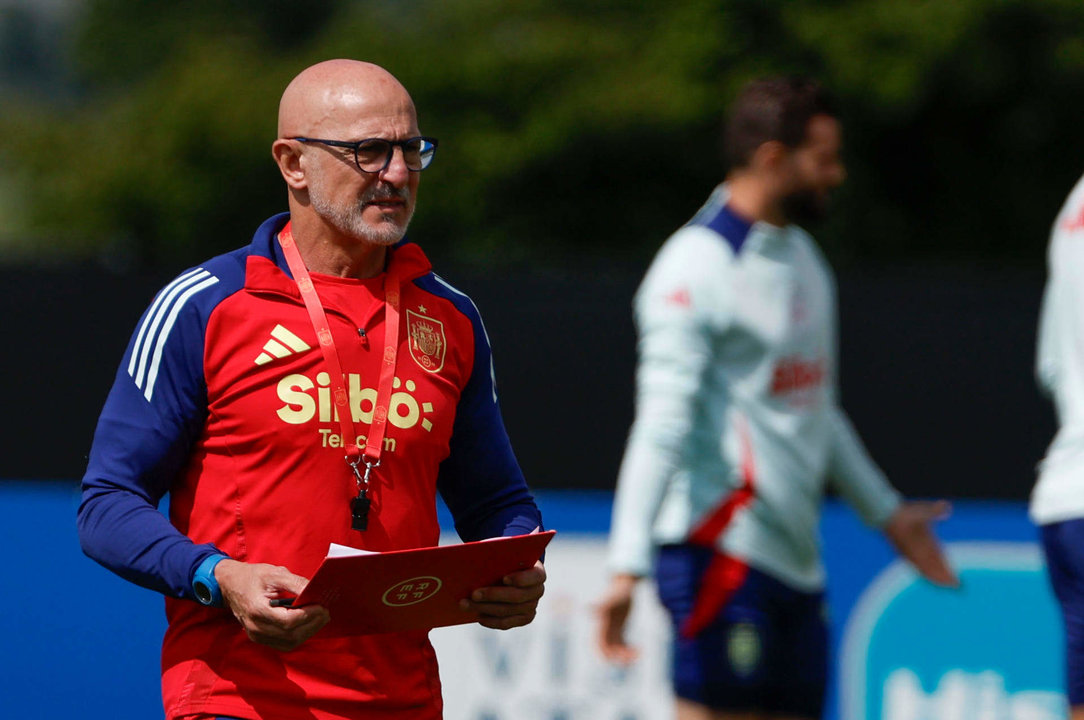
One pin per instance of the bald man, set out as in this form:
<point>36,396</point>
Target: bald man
<point>320,385</point>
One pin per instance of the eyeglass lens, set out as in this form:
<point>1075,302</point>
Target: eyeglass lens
<point>374,155</point>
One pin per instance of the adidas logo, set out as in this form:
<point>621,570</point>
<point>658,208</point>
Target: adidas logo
<point>282,343</point>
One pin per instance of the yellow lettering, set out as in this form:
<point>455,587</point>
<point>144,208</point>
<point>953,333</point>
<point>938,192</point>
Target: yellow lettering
<point>404,411</point>
<point>300,407</point>
<point>358,397</point>
<point>323,380</point>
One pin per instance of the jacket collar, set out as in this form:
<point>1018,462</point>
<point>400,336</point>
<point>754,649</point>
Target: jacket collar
<point>267,269</point>
<point>759,232</point>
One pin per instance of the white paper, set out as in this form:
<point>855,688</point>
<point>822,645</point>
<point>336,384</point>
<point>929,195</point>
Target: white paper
<point>336,550</point>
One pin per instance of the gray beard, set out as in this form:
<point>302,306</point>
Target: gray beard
<point>349,219</point>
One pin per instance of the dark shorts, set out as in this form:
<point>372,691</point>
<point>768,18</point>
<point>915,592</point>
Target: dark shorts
<point>1063,545</point>
<point>766,650</point>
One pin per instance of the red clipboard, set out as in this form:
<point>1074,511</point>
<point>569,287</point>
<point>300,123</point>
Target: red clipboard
<point>414,589</point>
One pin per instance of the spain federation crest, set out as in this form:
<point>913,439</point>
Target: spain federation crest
<point>743,648</point>
<point>427,342</point>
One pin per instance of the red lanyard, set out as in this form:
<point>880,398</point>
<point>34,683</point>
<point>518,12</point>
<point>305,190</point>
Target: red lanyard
<point>374,443</point>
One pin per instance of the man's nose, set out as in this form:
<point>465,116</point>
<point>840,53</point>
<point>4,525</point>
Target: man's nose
<point>396,171</point>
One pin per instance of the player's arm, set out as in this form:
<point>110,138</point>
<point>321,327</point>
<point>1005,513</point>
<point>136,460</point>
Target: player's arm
<point>614,610</point>
<point>854,475</point>
<point>484,488</point>
<point>674,352</point>
<point>908,525</point>
<point>1060,319</point>
<point>145,432</point>
<point>1047,355</point>
<point>481,481</point>
<point>152,417</point>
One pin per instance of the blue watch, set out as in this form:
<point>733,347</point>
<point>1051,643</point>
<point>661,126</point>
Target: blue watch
<point>204,584</point>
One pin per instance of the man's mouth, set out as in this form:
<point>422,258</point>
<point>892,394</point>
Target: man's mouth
<point>388,203</point>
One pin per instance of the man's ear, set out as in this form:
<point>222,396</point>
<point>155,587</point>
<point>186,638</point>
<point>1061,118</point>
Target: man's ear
<point>768,156</point>
<point>287,155</point>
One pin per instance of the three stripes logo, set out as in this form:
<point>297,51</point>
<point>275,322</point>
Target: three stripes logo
<point>151,340</point>
<point>283,343</point>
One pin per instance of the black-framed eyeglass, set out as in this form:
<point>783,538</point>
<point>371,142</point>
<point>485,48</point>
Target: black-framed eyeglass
<point>373,155</point>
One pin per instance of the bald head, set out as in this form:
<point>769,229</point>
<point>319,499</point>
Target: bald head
<point>341,98</point>
<point>344,217</point>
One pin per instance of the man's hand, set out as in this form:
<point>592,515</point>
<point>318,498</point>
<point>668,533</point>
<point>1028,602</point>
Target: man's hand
<point>248,588</point>
<point>613,614</point>
<point>511,604</point>
<point>909,530</point>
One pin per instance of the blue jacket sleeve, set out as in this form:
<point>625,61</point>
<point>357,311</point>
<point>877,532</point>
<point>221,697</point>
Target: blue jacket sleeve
<point>151,418</point>
<point>480,480</point>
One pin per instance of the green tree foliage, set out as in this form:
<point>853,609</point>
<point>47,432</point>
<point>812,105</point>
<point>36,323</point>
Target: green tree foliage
<point>586,127</point>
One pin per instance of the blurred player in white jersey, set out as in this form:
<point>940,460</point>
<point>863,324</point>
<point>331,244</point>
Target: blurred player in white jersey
<point>1057,502</point>
<point>738,429</point>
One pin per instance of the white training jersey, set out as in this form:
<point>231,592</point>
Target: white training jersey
<point>1059,492</point>
<point>737,376</point>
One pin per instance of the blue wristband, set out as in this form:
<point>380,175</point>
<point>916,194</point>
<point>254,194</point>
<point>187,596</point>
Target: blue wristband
<point>204,585</point>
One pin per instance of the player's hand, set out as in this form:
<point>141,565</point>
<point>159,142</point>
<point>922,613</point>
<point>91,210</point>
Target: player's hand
<point>910,531</point>
<point>613,615</point>
<point>248,588</point>
<point>510,604</point>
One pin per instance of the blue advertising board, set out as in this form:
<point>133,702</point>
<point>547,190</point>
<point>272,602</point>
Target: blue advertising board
<point>81,642</point>
<point>907,650</point>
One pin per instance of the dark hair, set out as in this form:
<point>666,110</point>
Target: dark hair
<point>772,109</point>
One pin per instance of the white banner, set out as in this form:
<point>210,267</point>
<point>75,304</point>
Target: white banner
<point>551,669</point>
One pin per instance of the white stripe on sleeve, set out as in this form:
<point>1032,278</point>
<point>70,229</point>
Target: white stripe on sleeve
<point>164,334</point>
<point>152,317</point>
